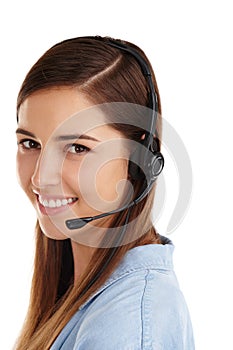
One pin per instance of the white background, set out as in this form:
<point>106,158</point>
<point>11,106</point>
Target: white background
<point>190,46</point>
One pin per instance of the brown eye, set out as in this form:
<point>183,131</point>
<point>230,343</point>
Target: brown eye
<point>29,144</point>
<point>76,148</point>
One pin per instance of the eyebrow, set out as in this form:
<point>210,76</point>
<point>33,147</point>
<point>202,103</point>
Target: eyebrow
<point>25,132</point>
<point>75,137</point>
<point>61,137</point>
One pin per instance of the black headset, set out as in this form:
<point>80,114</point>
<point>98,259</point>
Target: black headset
<point>145,162</point>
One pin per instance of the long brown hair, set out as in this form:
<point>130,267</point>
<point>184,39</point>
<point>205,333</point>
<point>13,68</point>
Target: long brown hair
<point>104,74</point>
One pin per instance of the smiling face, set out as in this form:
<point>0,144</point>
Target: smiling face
<point>68,166</point>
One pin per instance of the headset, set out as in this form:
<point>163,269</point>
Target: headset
<point>144,157</point>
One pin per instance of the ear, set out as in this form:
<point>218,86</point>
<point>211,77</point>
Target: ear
<point>144,135</point>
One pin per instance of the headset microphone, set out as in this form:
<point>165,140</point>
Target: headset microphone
<point>145,162</point>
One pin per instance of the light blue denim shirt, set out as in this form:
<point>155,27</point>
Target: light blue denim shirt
<point>140,307</point>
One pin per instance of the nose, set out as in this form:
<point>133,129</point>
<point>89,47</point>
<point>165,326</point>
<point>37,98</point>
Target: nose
<point>47,170</point>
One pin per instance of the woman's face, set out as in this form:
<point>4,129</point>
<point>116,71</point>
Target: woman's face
<point>66,175</point>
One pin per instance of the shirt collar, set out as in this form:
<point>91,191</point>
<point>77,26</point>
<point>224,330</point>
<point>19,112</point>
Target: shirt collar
<point>150,256</point>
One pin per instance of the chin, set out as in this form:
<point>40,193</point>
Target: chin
<point>51,231</point>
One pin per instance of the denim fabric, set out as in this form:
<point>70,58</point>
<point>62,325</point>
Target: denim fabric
<point>139,307</point>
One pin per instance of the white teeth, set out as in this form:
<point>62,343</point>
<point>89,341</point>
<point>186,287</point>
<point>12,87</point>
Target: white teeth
<point>52,203</point>
<point>56,203</point>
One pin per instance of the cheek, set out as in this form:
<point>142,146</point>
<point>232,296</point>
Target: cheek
<point>24,170</point>
<point>100,190</point>
<point>69,176</point>
<point>111,179</point>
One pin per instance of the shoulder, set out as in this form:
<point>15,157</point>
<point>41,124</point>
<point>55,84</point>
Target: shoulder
<point>142,309</point>
<point>166,321</point>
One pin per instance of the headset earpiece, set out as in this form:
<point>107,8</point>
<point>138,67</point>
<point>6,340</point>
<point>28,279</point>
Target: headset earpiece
<point>134,168</point>
<point>144,163</point>
<point>157,165</point>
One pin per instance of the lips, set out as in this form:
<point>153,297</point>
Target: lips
<point>51,205</point>
<point>56,202</point>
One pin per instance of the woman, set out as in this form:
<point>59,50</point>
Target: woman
<point>88,157</point>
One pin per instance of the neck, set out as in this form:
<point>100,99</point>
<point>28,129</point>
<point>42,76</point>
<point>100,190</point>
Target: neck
<point>85,244</point>
<point>81,255</point>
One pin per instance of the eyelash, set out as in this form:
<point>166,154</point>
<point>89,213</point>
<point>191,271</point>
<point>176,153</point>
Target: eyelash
<point>22,143</point>
<point>84,148</point>
<point>36,145</point>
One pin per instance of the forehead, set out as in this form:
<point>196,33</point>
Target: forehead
<point>63,111</point>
